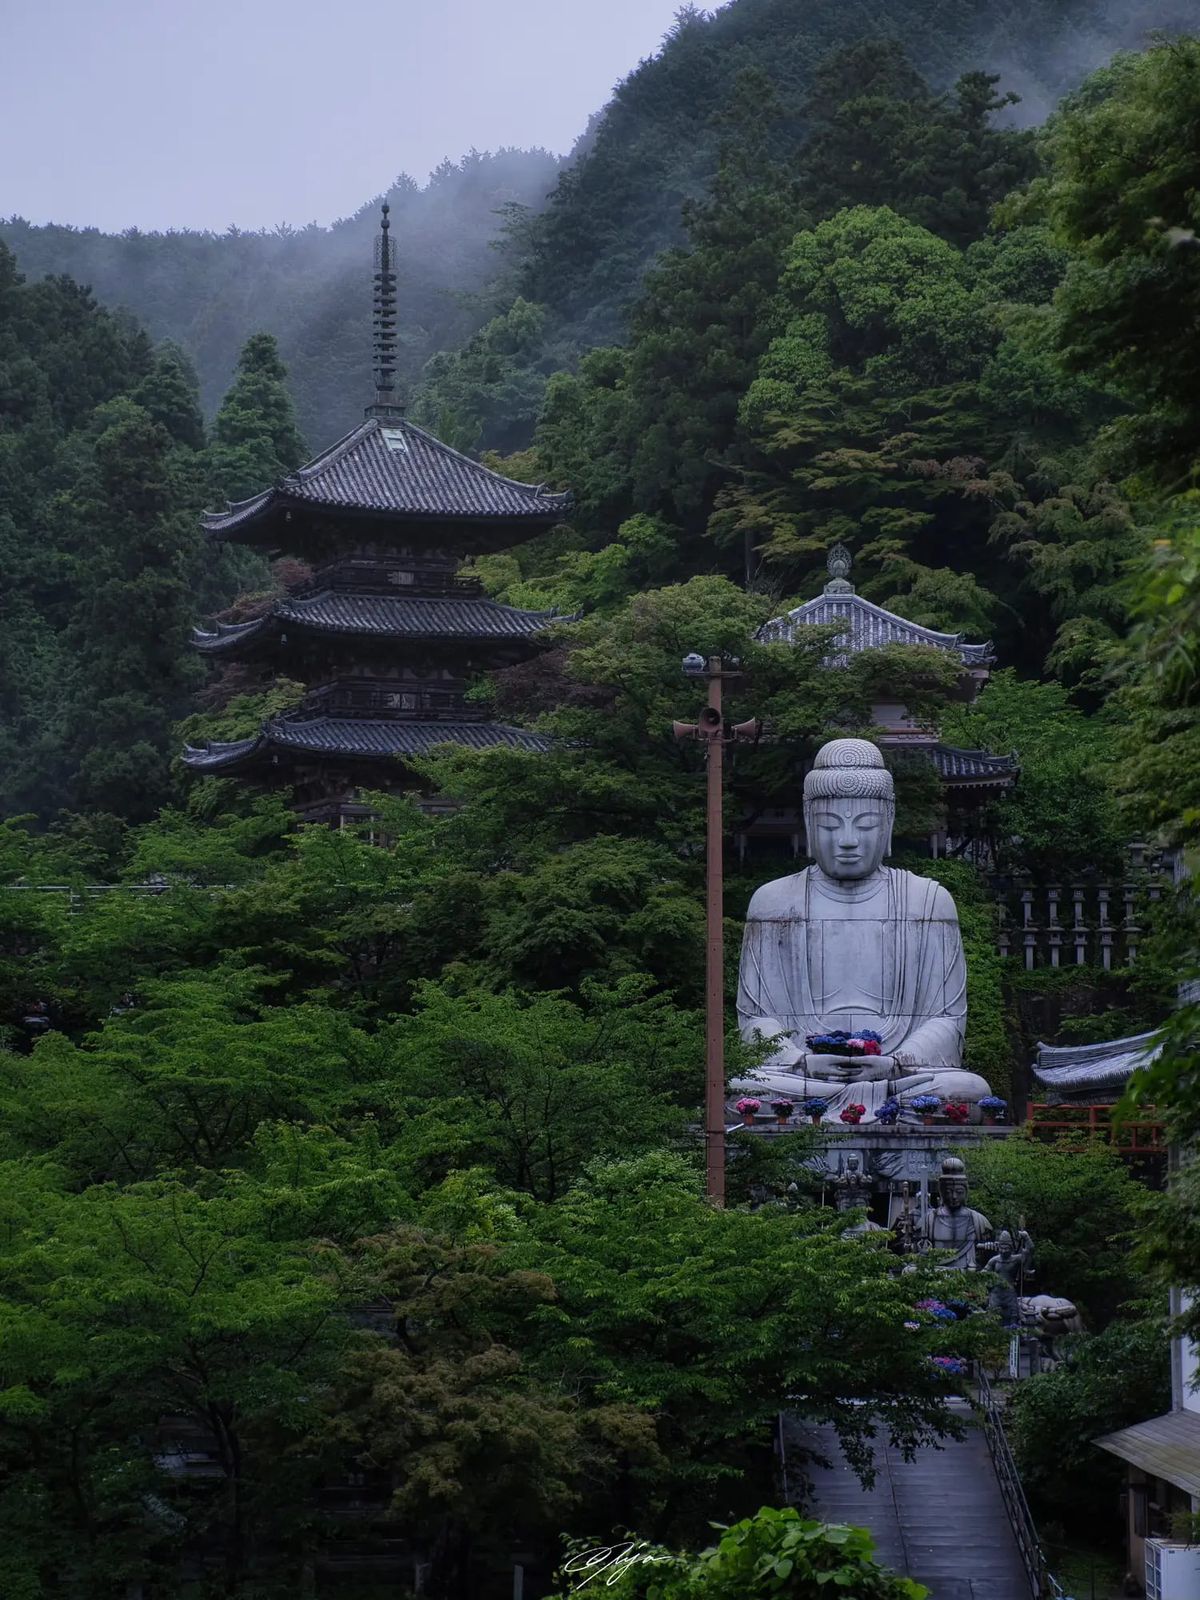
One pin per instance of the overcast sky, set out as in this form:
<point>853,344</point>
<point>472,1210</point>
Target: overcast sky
<point>173,113</point>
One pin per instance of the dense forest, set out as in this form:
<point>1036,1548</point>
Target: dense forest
<point>368,1168</point>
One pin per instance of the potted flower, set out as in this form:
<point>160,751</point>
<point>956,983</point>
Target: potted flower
<point>993,1108</point>
<point>888,1112</point>
<point>815,1107</point>
<point>783,1110</point>
<point>926,1106</point>
<point>956,1111</point>
<point>747,1108</point>
<point>852,1114</point>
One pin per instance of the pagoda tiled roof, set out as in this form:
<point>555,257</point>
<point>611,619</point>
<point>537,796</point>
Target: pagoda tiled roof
<point>359,738</point>
<point>391,467</point>
<point>383,616</point>
<point>864,625</point>
<point>973,768</point>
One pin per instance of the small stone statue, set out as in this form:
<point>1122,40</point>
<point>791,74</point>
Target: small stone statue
<point>952,1225</point>
<point>1009,1267</point>
<point>905,1226</point>
<point>852,1191</point>
<point>851,1187</point>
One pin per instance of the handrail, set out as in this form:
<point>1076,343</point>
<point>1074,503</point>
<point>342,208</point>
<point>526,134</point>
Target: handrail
<point>1042,1583</point>
<point>1132,1136</point>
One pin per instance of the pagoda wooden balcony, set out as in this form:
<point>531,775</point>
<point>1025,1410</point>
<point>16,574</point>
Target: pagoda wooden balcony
<point>395,699</point>
<point>388,577</point>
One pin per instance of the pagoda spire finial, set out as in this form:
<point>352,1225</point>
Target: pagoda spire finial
<point>386,400</point>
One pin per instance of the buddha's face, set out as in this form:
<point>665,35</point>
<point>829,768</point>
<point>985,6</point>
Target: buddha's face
<point>848,837</point>
<point>954,1193</point>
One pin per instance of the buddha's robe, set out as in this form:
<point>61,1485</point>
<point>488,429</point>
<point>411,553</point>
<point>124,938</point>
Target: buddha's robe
<point>884,953</point>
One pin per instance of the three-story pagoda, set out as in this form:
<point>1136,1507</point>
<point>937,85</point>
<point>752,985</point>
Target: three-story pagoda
<point>387,632</point>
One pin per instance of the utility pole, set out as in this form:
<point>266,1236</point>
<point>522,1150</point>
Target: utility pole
<point>711,730</point>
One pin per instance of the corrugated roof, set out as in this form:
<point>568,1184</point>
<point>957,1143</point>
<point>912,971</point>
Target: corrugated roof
<point>866,626</point>
<point>386,616</point>
<point>1068,1069</point>
<point>392,467</point>
<point>362,737</point>
<point>977,768</point>
<point>1166,1447</point>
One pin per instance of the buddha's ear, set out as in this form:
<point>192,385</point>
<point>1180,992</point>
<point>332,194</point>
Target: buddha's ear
<point>890,814</point>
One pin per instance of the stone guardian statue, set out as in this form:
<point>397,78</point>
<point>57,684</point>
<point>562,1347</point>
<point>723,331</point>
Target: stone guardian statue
<point>850,944</point>
<point>951,1224</point>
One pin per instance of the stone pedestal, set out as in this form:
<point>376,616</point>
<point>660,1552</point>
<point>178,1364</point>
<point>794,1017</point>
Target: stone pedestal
<point>890,1157</point>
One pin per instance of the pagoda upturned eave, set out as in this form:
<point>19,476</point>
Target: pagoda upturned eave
<point>369,616</point>
<point>974,769</point>
<point>356,739</point>
<point>391,469</point>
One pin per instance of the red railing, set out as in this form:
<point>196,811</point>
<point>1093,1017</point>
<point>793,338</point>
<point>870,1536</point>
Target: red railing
<point>1143,1136</point>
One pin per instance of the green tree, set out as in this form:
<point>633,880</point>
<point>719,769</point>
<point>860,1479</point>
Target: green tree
<point>1110,1380</point>
<point>255,437</point>
<point>1120,193</point>
<point>1081,1204</point>
<point>137,560</point>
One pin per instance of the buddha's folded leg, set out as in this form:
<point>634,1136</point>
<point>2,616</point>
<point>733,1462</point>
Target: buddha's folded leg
<point>785,1085</point>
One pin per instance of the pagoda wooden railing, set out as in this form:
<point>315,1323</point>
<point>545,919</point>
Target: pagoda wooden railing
<point>389,577</point>
<point>393,700</point>
<point>1141,1136</point>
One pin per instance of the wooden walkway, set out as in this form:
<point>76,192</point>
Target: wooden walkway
<point>939,1518</point>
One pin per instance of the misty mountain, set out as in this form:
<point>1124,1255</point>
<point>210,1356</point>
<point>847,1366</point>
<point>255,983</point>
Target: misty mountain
<point>310,287</point>
<point>618,204</point>
<point>589,227</point>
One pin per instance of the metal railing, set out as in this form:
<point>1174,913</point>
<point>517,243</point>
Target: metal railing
<point>1042,1583</point>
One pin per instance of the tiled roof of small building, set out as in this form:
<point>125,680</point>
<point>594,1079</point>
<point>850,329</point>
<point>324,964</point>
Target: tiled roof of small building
<point>392,467</point>
<point>865,626</point>
<point>974,767</point>
<point>385,616</point>
<point>360,738</point>
<point>1166,1447</point>
<point>1067,1070</point>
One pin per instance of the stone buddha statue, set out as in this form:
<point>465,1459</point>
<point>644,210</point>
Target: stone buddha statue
<point>952,1225</point>
<point>849,944</point>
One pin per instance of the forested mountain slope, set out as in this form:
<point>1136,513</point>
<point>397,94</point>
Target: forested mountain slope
<point>615,207</point>
<point>656,144</point>
<point>310,287</point>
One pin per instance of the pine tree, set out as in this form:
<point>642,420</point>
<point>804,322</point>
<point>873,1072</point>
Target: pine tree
<point>256,437</point>
<point>138,560</point>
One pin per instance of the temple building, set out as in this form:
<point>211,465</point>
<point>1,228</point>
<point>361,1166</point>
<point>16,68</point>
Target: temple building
<point>968,776</point>
<point>385,631</point>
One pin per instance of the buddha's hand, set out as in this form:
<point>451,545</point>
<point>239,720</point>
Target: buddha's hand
<point>858,1069</point>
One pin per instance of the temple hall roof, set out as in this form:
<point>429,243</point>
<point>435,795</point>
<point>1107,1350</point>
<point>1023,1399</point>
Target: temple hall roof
<point>382,616</point>
<point>975,769</point>
<point>1073,1070</point>
<point>389,466</point>
<point>359,739</point>
<point>865,626</point>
